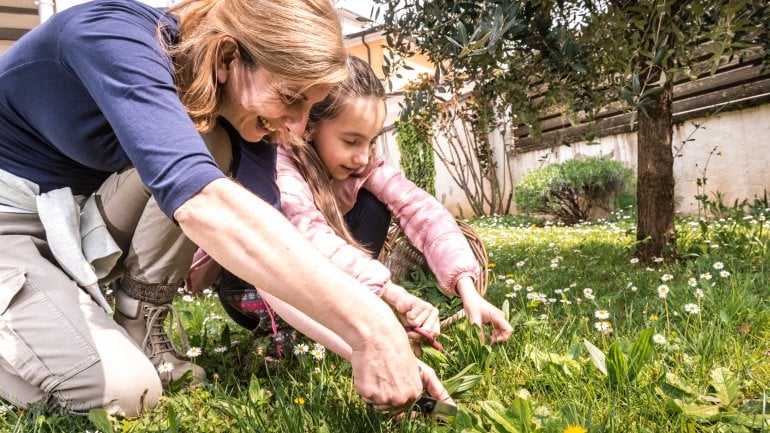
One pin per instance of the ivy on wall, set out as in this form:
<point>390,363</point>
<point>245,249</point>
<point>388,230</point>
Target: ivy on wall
<point>415,134</point>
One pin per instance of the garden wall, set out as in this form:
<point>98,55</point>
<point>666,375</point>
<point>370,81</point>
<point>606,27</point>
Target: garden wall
<point>730,150</point>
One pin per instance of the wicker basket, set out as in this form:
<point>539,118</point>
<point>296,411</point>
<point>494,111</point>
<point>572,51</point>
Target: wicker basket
<point>401,257</point>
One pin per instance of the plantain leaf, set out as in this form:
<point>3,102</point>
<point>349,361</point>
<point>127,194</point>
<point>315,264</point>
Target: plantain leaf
<point>597,356</point>
<point>617,368</point>
<point>641,352</point>
<point>495,412</point>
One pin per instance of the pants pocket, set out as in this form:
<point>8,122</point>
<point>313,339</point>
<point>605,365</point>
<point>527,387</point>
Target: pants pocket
<point>37,338</point>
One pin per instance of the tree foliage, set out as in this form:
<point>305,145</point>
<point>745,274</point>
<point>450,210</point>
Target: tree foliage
<point>581,57</point>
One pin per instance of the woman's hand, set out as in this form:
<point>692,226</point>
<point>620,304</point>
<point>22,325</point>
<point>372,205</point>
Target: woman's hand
<point>480,312</point>
<point>413,311</point>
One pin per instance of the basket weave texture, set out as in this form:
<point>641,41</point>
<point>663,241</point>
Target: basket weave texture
<point>401,257</point>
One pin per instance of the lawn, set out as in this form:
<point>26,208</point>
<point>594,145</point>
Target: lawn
<point>601,343</point>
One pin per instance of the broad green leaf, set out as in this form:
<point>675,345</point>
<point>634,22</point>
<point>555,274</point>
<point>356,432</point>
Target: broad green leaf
<point>752,421</point>
<point>641,352</point>
<point>257,394</point>
<point>674,381</point>
<point>596,355</point>
<point>726,388</point>
<point>495,412</point>
<point>101,420</point>
<point>173,420</point>
<point>617,368</point>
<point>460,384</point>
<point>465,420</point>
<point>462,33</point>
<point>521,409</point>
<point>707,412</point>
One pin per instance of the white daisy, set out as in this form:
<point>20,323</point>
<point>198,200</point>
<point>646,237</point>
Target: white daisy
<point>301,349</point>
<point>165,367</point>
<point>692,308</point>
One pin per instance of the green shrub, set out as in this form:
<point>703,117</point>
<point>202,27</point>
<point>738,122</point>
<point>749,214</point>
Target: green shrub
<point>570,190</point>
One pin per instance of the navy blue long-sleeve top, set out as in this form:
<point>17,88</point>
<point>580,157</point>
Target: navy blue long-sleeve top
<point>90,92</point>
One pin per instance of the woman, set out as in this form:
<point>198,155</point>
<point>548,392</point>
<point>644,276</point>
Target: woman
<point>96,133</point>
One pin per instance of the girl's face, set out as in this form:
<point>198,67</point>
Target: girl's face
<point>257,103</point>
<point>345,142</point>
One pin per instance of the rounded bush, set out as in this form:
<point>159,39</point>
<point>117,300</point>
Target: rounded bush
<point>571,189</point>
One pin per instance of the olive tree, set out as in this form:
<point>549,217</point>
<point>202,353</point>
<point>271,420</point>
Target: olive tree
<point>583,56</point>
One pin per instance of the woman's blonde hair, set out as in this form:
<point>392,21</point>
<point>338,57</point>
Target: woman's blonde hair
<point>361,82</point>
<point>297,40</point>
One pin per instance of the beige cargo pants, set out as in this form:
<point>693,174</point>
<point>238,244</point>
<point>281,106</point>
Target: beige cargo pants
<point>57,346</point>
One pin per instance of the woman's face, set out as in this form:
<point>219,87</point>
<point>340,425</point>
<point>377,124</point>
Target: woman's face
<point>345,142</point>
<point>257,103</point>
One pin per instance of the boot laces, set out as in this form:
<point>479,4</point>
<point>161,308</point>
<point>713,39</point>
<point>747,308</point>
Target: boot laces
<point>157,339</point>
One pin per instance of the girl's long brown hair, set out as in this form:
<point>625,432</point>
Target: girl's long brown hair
<point>361,82</point>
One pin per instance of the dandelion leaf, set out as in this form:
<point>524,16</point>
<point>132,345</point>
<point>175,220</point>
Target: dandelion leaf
<point>674,383</point>
<point>101,420</point>
<point>701,411</point>
<point>726,388</point>
<point>752,421</point>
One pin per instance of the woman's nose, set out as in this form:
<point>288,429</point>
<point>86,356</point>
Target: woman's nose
<point>296,125</point>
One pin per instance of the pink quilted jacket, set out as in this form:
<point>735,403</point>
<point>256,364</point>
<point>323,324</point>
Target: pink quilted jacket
<point>425,221</point>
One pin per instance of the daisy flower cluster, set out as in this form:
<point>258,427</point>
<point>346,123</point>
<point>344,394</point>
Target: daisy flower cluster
<point>318,351</point>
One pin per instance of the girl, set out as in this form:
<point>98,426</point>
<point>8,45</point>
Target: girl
<point>341,196</point>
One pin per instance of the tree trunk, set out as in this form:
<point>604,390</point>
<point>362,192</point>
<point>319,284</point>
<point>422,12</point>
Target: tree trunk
<point>655,185</point>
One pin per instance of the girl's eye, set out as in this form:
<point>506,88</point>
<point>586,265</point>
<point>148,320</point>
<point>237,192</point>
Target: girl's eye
<point>349,142</point>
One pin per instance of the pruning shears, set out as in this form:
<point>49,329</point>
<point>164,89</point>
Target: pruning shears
<point>429,406</point>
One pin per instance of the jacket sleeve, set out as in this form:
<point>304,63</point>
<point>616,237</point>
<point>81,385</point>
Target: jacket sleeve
<point>299,207</point>
<point>428,226</point>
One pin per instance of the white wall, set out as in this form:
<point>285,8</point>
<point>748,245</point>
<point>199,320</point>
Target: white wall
<point>739,168</point>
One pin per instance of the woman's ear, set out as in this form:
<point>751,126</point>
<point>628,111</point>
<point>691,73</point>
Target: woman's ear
<point>308,134</point>
<point>227,52</point>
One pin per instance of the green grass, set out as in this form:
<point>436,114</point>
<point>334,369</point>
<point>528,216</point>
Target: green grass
<point>712,373</point>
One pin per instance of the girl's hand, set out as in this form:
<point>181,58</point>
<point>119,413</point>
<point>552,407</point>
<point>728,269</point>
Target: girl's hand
<point>480,312</point>
<point>413,311</point>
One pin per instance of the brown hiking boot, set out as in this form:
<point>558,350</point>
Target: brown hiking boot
<point>143,321</point>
